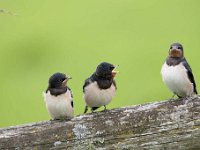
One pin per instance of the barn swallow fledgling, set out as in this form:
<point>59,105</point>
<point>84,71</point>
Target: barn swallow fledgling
<point>177,74</point>
<point>58,97</point>
<point>100,87</point>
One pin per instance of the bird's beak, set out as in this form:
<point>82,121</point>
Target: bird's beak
<point>69,78</point>
<point>65,81</point>
<point>114,72</point>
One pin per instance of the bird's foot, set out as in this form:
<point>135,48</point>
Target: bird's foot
<point>67,119</point>
<point>53,120</point>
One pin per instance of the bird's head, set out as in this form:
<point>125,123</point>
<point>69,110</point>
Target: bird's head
<point>106,70</point>
<point>176,50</point>
<point>58,80</point>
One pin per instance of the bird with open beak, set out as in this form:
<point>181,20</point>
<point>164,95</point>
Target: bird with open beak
<point>58,97</point>
<point>177,74</point>
<point>100,87</point>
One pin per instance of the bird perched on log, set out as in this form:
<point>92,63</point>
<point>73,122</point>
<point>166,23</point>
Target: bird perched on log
<point>177,74</point>
<point>100,87</point>
<point>58,97</point>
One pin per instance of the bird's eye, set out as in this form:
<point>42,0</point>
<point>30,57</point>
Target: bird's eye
<point>171,47</point>
<point>62,79</point>
<point>179,47</point>
<point>112,67</point>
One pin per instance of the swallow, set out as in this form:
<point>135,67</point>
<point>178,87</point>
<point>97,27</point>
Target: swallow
<point>177,74</point>
<point>58,97</point>
<point>100,87</point>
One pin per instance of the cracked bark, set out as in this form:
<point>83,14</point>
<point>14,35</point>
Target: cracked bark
<point>172,124</point>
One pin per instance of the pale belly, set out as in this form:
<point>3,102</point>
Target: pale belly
<point>59,107</point>
<point>176,79</point>
<point>96,98</point>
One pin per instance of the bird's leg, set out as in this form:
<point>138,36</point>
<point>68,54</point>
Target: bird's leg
<point>86,109</point>
<point>105,109</point>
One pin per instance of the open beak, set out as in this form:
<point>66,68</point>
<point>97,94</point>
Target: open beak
<point>114,72</point>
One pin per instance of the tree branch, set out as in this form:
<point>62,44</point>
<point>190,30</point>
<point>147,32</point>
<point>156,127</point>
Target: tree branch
<point>172,124</point>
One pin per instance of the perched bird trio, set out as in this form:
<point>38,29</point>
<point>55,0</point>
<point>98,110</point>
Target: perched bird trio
<point>100,87</point>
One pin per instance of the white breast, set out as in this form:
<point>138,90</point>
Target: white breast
<point>59,107</point>
<point>176,79</point>
<point>95,97</point>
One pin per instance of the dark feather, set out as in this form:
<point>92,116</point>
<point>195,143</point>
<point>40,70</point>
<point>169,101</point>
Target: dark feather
<point>190,75</point>
<point>56,91</point>
<point>70,91</point>
<point>59,91</point>
<point>103,83</point>
<point>114,83</point>
<point>174,61</point>
<point>87,82</point>
<point>72,104</point>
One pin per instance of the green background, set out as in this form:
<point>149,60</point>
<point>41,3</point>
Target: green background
<point>41,37</point>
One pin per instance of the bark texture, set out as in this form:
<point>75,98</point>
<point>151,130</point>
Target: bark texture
<point>172,124</point>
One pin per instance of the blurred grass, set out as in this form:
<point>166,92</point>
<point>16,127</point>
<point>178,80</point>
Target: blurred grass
<point>73,37</point>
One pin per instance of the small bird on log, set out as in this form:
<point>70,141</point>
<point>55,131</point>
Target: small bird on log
<point>58,97</point>
<point>177,74</point>
<point>100,87</point>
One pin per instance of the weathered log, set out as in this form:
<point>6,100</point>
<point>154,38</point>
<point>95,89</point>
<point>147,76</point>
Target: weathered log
<point>172,124</point>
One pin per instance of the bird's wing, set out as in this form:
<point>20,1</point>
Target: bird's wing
<point>115,84</point>
<point>72,103</point>
<point>70,91</point>
<point>190,75</point>
<point>87,82</point>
